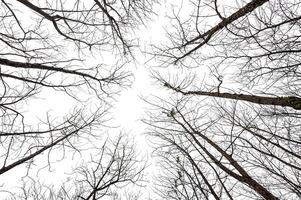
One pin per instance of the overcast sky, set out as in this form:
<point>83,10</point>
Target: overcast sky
<point>127,112</point>
<point>214,87</point>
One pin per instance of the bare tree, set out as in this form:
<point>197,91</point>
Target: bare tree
<point>225,151</point>
<point>58,47</point>
<point>232,134</point>
<point>115,166</point>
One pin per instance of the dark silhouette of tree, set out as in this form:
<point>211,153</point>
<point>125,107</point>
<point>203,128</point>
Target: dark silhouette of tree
<point>225,151</point>
<point>59,47</point>
<point>114,166</point>
<point>231,127</point>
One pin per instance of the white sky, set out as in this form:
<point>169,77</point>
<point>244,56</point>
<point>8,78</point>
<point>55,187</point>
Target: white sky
<point>127,112</point>
<point>128,109</point>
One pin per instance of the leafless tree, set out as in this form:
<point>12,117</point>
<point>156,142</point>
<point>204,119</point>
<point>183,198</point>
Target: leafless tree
<point>225,151</point>
<point>235,133</point>
<point>115,166</point>
<point>58,47</point>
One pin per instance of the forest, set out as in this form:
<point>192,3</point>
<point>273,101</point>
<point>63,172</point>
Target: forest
<point>219,114</point>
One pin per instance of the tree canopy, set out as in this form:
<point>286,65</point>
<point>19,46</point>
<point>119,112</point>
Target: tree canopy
<point>228,126</point>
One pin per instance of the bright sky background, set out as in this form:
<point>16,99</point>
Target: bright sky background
<point>127,112</point>
<point>129,107</point>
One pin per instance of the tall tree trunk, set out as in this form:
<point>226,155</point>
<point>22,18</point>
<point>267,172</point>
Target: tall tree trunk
<point>289,101</point>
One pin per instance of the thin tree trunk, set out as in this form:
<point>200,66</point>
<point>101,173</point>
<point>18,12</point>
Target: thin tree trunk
<point>289,101</point>
<point>251,6</point>
<point>243,177</point>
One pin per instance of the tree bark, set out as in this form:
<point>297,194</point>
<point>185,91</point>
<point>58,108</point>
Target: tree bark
<point>243,177</point>
<point>289,101</point>
<point>251,6</point>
